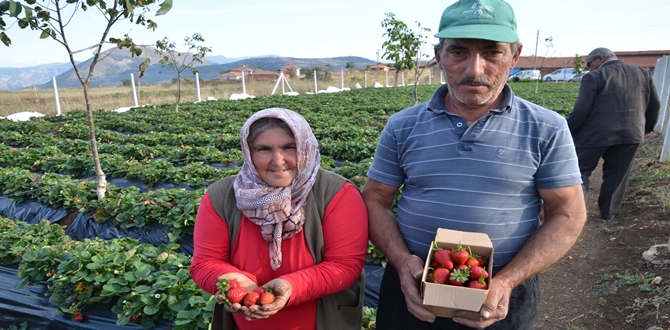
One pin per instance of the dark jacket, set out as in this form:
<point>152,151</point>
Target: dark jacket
<point>617,104</point>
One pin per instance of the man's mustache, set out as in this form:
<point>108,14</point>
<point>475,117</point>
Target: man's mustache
<point>476,81</point>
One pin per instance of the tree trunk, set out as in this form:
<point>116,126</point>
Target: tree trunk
<point>176,105</point>
<point>102,178</point>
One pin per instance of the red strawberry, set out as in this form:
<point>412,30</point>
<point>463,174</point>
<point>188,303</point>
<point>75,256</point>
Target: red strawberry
<point>477,271</point>
<point>251,298</point>
<point>236,295</point>
<point>443,257</point>
<point>459,255</point>
<point>459,277</point>
<point>259,289</point>
<point>472,262</point>
<point>482,261</point>
<point>478,284</point>
<point>133,318</point>
<point>77,313</point>
<point>441,275</point>
<point>232,284</point>
<point>79,318</point>
<point>267,298</point>
<point>461,267</point>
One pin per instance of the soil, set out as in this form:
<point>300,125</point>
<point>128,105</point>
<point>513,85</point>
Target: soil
<point>604,282</point>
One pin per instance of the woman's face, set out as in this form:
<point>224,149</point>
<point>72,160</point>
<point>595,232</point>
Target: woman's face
<point>274,156</point>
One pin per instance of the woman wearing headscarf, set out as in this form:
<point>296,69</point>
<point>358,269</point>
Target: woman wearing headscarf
<point>284,223</point>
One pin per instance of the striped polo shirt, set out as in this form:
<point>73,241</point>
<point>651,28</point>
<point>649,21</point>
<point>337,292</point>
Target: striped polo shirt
<point>482,178</point>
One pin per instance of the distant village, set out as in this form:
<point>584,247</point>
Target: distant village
<point>646,59</point>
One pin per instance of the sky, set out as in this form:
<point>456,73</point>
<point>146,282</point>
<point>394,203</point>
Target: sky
<point>331,28</point>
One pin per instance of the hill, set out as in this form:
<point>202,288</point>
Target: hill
<point>19,78</point>
<point>118,64</point>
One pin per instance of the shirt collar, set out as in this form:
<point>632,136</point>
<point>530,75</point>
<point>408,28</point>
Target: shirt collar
<point>436,102</point>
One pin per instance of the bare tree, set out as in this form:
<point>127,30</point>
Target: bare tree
<point>178,62</point>
<point>52,17</point>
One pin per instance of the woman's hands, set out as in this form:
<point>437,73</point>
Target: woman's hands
<point>244,281</point>
<point>282,290</point>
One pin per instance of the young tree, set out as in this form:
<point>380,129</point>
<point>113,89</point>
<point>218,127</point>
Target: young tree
<point>52,17</point>
<point>577,62</point>
<point>403,47</point>
<point>350,66</point>
<point>178,62</point>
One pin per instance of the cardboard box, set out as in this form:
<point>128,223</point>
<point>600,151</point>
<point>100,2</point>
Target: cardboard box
<point>444,300</point>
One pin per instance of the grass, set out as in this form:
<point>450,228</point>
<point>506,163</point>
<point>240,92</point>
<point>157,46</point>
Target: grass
<point>652,176</point>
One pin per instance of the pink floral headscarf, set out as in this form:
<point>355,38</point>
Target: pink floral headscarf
<point>279,211</point>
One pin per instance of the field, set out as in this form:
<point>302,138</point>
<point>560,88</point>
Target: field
<point>108,98</point>
<point>159,162</point>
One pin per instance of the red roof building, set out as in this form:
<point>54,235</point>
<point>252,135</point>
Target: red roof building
<point>264,75</point>
<point>233,75</point>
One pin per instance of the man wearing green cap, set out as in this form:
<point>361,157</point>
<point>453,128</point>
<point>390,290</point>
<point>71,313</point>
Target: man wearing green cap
<point>474,158</point>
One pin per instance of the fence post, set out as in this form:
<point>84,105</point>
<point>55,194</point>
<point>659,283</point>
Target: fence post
<point>342,79</point>
<point>244,88</point>
<point>53,79</point>
<point>315,90</point>
<point>132,83</point>
<point>365,75</point>
<point>386,83</point>
<point>197,86</point>
<point>662,81</point>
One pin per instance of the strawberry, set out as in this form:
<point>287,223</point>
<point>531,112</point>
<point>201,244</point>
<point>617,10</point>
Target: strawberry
<point>443,257</point>
<point>480,283</point>
<point>251,298</point>
<point>472,261</point>
<point>77,313</point>
<point>236,295</point>
<point>458,277</point>
<point>482,261</point>
<point>478,271</point>
<point>267,298</point>
<point>461,267</point>
<point>133,318</point>
<point>459,255</point>
<point>259,289</point>
<point>79,318</point>
<point>232,284</point>
<point>441,275</point>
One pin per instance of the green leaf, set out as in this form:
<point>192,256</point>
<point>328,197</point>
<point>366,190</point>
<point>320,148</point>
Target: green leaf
<point>165,7</point>
<point>5,39</point>
<point>15,8</point>
<point>151,309</point>
<point>45,34</point>
<point>178,305</point>
<point>29,13</point>
<point>142,289</point>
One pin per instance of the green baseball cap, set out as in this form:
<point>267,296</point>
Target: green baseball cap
<point>479,19</point>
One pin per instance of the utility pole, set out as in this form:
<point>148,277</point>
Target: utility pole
<point>377,56</point>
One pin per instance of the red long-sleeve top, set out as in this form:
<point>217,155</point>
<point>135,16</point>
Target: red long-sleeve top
<point>345,234</point>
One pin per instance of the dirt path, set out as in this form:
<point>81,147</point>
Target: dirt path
<point>583,292</point>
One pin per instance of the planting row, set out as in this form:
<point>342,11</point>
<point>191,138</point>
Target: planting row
<point>144,284</point>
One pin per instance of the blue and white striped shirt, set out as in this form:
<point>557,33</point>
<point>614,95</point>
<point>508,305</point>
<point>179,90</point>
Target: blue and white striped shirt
<point>481,178</point>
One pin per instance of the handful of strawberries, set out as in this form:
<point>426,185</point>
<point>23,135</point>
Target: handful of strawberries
<point>459,267</point>
<point>234,293</point>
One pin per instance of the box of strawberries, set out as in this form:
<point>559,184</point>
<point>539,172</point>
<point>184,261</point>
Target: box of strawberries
<point>456,274</point>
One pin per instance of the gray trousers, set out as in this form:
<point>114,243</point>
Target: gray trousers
<point>617,165</point>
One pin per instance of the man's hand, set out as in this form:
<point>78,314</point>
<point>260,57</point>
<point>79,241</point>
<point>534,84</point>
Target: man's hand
<point>410,271</point>
<point>494,309</point>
